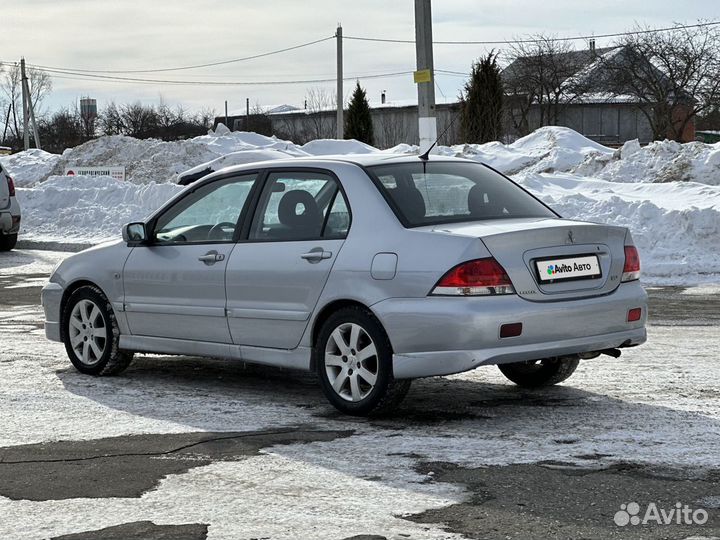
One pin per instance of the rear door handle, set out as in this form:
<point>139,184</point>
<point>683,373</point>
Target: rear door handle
<point>316,255</point>
<point>211,257</point>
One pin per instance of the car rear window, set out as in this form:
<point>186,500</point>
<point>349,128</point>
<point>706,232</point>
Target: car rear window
<point>428,193</point>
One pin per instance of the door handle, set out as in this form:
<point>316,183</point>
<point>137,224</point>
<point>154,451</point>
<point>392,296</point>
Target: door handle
<point>211,257</point>
<point>316,255</point>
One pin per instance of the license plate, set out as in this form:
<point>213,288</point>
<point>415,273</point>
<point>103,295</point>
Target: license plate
<point>582,267</point>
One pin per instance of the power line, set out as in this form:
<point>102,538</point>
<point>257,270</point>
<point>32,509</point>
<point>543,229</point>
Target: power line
<point>111,78</point>
<point>209,64</point>
<point>538,40</point>
<point>450,72</point>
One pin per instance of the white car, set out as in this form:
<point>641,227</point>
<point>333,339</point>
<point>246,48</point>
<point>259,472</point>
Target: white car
<point>9,212</point>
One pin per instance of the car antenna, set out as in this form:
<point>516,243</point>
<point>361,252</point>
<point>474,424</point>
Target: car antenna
<point>424,156</point>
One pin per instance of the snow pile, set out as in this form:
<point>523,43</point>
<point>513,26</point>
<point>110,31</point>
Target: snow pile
<point>666,192</point>
<point>558,149</point>
<point>151,160</point>
<point>27,167</point>
<point>240,157</point>
<point>659,161</point>
<point>144,160</point>
<point>676,226</point>
<point>87,208</point>
<point>333,147</point>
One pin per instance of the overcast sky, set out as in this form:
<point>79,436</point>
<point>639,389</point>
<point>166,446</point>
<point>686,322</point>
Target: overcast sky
<point>150,34</point>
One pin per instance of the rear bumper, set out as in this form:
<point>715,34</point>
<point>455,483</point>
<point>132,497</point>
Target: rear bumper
<point>51,297</point>
<point>428,364</point>
<point>440,336</point>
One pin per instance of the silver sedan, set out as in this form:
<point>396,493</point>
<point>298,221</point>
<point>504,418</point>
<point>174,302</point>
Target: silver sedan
<point>370,271</point>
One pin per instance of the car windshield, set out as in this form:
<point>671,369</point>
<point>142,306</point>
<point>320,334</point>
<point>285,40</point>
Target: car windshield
<point>429,193</point>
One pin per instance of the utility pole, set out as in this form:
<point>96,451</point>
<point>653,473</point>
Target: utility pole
<point>340,121</point>
<point>26,114</point>
<point>424,76</point>
<point>247,114</point>
<point>226,116</point>
<point>28,111</point>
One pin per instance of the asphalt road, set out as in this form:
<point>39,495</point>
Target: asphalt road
<point>185,448</point>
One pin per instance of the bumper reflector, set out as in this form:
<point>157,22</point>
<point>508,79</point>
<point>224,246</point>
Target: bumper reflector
<point>511,330</point>
<point>634,314</point>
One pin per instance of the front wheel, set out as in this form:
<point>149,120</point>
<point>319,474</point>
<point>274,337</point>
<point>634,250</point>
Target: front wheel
<point>91,334</point>
<point>8,241</point>
<point>353,357</point>
<point>536,373</point>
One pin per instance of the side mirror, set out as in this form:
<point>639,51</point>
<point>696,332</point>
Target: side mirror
<point>134,234</point>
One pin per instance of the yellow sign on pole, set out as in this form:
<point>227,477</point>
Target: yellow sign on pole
<point>422,75</point>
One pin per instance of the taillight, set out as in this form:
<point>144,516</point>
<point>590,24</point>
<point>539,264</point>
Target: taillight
<point>475,278</point>
<point>631,270</point>
<point>11,186</point>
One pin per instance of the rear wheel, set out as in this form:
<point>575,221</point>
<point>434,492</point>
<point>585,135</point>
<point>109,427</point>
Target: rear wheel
<point>91,334</point>
<point>8,241</point>
<point>353,357</point>
<point>536,373</point>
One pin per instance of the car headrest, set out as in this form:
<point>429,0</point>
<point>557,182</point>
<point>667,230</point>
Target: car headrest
<point>476,200</point>
<point>298,210</point>
<point>411,202</point>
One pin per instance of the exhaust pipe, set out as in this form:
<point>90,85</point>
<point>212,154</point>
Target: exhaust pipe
<point>615,353</point>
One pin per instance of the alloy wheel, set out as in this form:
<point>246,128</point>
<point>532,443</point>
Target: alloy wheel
<point>351,362</point>
<point>87,330</point>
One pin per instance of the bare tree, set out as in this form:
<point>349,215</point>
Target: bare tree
<point>321,119</point>
<point>63,129</point>
<point>392,129</point>
<point>40,85</point>
<point>673,76</point>
<point>541,74</point>
<point>148,121</point>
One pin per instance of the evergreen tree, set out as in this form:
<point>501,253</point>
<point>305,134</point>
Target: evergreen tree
<point>481,102</point>
<point>358,123</point>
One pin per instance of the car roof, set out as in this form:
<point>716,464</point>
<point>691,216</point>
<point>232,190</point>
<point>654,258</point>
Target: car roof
<point>361,160</point>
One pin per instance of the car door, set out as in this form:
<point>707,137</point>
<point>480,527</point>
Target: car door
<point>175,286</point>
<point>276,273</point>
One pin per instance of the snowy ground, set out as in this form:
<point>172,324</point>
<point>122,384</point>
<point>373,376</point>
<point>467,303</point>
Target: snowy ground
<point>667,193</point>
<point>468,456</point>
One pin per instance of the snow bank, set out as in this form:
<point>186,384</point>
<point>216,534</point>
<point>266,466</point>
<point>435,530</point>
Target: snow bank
<point>659,161</point>
<point>667,193</point>
<point>87,208</point>
<point>676,226</point>
<point>238,158</point>
<point>330,147</point>
<point>27,167</point>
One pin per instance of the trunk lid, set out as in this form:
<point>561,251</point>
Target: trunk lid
<point>527,247</point>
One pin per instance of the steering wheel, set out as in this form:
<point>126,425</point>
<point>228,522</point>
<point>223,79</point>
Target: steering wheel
<point>216,232</point>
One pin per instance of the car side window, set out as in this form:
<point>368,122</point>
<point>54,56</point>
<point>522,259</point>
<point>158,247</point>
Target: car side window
<point>338,221</point>
<point>296,206</point>
<point>210,214</point>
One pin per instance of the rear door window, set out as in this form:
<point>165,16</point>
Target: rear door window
<point>300,205</point>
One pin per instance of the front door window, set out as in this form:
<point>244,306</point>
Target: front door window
<point>210,214</point>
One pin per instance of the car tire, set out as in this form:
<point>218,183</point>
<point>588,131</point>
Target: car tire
<point>546,372</point>
<point>353,358</point>
<point>91,334</point>
<point>8,241</point>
